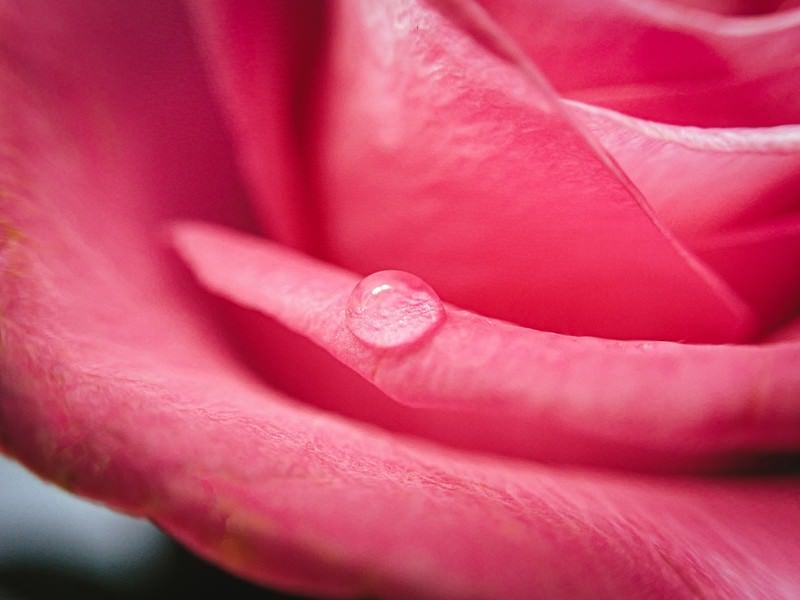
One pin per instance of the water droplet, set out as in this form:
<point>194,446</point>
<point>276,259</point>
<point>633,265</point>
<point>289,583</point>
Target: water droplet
<point>389,309</point>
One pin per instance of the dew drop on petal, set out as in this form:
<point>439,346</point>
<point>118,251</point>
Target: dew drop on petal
<point>389,309</point>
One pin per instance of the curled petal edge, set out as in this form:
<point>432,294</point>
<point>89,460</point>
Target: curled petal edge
<point>656,395</point>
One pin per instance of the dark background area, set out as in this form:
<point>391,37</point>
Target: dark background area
<point>54,545</point>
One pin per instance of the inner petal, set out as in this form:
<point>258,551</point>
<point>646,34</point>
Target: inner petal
<point>439,158</point>
<point>662,61</point>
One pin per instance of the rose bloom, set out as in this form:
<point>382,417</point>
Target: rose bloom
<point>577,346</point>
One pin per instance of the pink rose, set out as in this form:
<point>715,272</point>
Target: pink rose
<point>340,439</point>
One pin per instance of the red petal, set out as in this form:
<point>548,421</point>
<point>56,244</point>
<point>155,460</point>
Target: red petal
<point>663,62</point>
<point>656,396</point>
<point>442,159</point>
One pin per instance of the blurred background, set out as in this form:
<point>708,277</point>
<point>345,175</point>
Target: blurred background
<point>54,545</point>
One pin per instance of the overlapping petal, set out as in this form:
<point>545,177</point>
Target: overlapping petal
<point>700,181</point>
<point>662,61</point>
<point>442,158</point>
<point>729,194</point>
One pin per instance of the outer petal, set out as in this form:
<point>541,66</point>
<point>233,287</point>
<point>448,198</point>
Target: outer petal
<point>262,56</point>
<point>441,158</point>
<point>655,396</point>
<point>664,62</point>
<point>284,495</point>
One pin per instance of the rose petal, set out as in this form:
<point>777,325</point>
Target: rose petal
<point>262,57</point>
<point>688,400</point>
<point>702,180</point>
<point>443,159</point>
<point>664,62</point>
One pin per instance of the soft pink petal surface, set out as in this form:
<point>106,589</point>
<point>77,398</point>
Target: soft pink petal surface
<point>662,61</point>
<point>649,395</point>
<point>440,158</point>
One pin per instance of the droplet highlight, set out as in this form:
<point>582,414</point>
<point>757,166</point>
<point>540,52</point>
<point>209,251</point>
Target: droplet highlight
<point>391,309</point>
